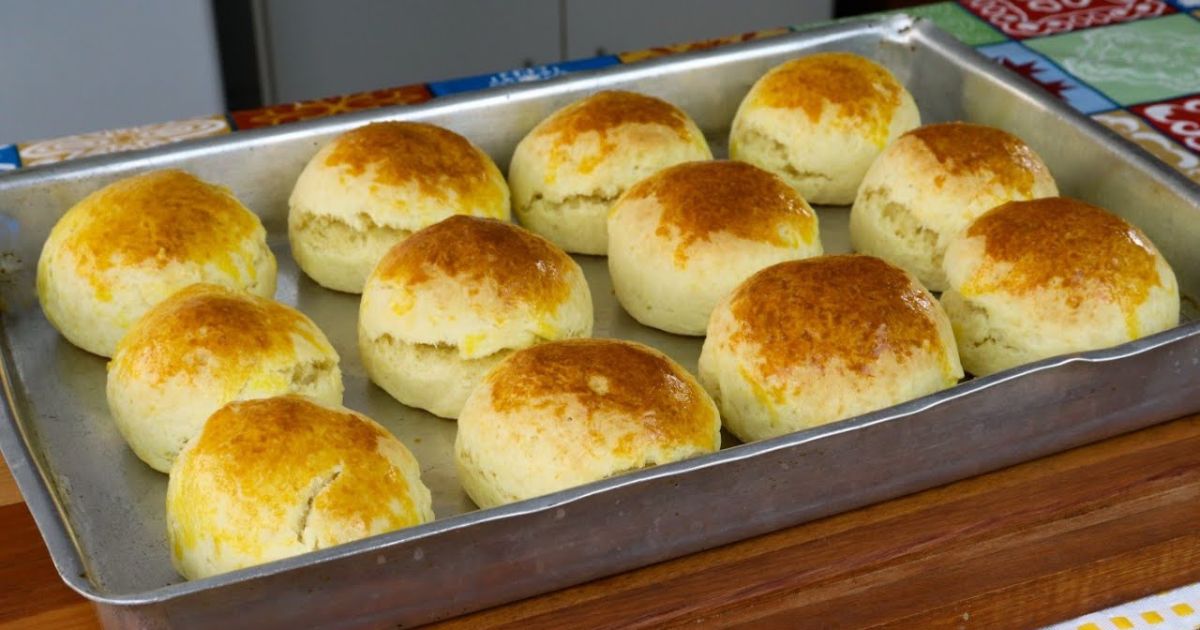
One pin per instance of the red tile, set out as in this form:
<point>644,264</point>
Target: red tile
<point>1178,118</point>
<point>1021,19</point>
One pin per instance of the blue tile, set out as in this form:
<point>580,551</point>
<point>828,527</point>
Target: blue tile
<point>1046,74</point>
<point>1184,5</point>
<point>9,158</point>
<point>522,75</point>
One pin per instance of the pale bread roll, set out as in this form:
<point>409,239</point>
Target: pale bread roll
<point>809,342</point>
<point>566,413</point>
<point>206,346</point>
<point>452,300</point>
<point>135,242</point>
<point>683,238</point>
<point>1036,279</point>
<point>373,186</point>
<point>571,167</point>
<point>820,120</point>
<point>931,183</point>
<point>277,477</point>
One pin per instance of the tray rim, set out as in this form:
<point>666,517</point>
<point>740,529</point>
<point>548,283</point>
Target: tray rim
<point>49,514</point>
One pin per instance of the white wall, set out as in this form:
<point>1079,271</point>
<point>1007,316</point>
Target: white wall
<point>70,66</point>
<point>319,47</point>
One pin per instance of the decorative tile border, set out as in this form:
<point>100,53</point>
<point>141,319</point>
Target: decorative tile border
<point>1178,118</point>
<point>661,51</point>
<point>320,108</point>
<point>1130,47</point>
<point>9,158</point>
<point>1150,60</point>
<point>1022,19</point>
<point>1040,70</point>
<point>1137,131</point>
<point>113,140</point>
<point>520,75</point>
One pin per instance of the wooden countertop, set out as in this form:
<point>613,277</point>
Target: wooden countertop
<point>1023,547</point>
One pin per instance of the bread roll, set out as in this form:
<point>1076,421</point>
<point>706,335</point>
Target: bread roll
<point>272,478</point>
<point>206,346</point>
<point>1035,279</point>
<point>808,342</point>
<point>683,238</point>
<point>566,413</point>
<point>567,171</point>
<point>931,183</point>
<point>135,242</point>
<point>819,121</point>
<point>452,300</point>
<point>373,186</point>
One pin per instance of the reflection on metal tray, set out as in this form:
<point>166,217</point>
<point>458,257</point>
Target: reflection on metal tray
<point>102,511</point>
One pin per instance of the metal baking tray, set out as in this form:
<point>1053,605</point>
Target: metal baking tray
<point>101,511</point>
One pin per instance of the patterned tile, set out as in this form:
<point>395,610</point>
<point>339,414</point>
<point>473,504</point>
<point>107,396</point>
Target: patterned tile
<point>1021,19</point>
<point>1036,68</point>
<point>1132,63</point>
<point>1178,118</point>
<point>521,75</point>
<point>320,108</point>
<point>660,51</point>
<point>959,22</point>
<point>9,158</point>
<point>114,140</point>
<point>1137,131</point>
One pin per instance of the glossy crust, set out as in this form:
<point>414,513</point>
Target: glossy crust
<point>271,478</point>
<point>202,348</point>
<point>807,342</point>
<point>566,413</point>
<point>819,121</point>
<point>573,165</point>
<point>133,243</point>
<point>686,236</point>
<point>373,186</point>
<point>449,302</point>
<point>1034,279</point>
<point>931,183</point>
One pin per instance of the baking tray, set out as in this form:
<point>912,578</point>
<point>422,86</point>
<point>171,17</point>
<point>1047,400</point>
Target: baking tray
<point>101,511</point>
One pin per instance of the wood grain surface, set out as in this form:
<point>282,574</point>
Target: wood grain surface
<point>1023,547</point>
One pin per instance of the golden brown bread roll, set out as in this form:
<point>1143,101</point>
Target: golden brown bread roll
<point>135,242</point>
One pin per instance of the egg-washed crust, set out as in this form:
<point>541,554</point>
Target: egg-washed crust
<point>434,159</point>
<point>700,199</point>
<point>1074,247</point>
<point>264,455</point>
<point>970,149</point>
<point>212,331</point>
<point>815,311</point>
<point>157,218</point>
<point>603,113</point>
<point>611,109</point>
<point>866,93</point>
<point>606,377</point>
<point>523,267</point>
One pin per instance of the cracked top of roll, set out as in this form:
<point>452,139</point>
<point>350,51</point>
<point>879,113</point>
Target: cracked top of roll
<point>275,477</point>
<point>402,175</point>
<point>696,201</point>
<point>479,285</point>
<point>864,93</point>
<point>211,333</point>
<point>602,144</point>
<point>848,310</point>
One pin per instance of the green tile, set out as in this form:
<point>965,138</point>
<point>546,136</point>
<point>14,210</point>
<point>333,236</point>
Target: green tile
<point>957,21</point>
<point>948,16</point>
<point>1147,60</point>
